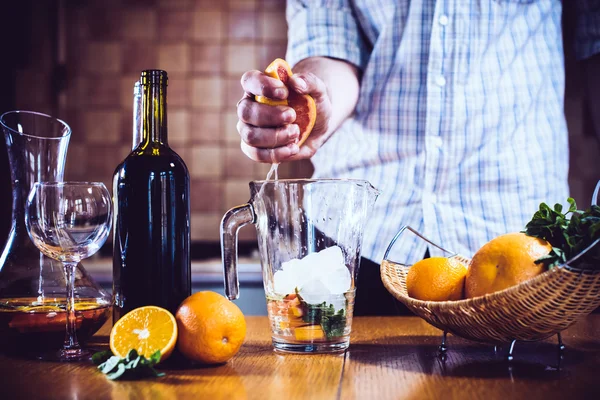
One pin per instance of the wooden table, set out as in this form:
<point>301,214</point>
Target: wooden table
<point>389,358</point>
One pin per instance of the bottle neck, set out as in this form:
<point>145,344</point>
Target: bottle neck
<point>154,112</point>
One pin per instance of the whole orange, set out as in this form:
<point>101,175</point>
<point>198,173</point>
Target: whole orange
<point>503,262</point>
<point>211,328</point>
<point>436,279</point>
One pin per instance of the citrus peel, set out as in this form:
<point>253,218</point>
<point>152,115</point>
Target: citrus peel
<point>303,104</point>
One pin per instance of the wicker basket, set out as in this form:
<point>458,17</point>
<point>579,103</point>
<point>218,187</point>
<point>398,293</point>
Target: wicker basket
<point>533,310</point>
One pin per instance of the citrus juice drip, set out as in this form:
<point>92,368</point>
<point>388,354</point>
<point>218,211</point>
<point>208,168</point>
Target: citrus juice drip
<point>32,325</point>
<point>272,173</point>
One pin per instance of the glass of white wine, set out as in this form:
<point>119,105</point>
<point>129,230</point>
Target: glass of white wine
<point>69,221</point>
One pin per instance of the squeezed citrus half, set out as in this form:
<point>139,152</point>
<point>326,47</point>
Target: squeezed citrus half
<point>303,104</point>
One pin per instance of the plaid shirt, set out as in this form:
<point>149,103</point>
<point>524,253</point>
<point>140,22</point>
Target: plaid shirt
<point>460,118</point>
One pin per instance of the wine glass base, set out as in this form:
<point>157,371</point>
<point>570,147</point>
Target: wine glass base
<point>67,355</point>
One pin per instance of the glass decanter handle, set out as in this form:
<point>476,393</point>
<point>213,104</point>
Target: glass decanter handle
<point>232,221</point>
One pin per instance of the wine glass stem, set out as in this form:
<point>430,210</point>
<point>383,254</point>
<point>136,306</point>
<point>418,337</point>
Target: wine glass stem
<point>71,342</point>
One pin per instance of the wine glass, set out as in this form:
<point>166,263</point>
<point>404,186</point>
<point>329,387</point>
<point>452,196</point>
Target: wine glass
<point>69,221</point>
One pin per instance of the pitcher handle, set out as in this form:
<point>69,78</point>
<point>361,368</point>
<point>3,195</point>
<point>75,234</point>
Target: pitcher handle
<point>231,223</point>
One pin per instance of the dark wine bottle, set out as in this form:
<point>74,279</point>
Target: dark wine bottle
<point>151,190</point>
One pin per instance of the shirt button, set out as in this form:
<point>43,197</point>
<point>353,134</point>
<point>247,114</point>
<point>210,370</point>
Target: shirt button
<point>443,20</point>
<point>440,80</point>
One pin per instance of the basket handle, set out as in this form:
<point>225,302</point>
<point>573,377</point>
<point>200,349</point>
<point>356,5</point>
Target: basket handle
<point>591,246</point>
<point>401,231</point>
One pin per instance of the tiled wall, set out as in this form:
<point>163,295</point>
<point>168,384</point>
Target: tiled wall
<point>205,45</point>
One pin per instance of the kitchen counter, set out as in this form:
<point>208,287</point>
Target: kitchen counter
<point>206,275</point>
<point>389,358</point>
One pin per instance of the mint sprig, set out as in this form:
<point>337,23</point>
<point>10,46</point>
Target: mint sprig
<point>333,323</point>
<point>133,366</point>
<point>569,233</point>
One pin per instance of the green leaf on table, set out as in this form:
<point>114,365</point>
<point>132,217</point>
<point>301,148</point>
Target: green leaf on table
<point>133,363</point>
<point>132,355</point>
<point>101,356</point>
<point>116,374</point>
<point>109,365</point>
<point>155,358</point>
<point>133,366</point>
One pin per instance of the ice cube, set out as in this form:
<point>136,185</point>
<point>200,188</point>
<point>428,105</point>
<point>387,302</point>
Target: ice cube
<point>291,275</point>
<point>326,267</point>
<point>291,264</point>
<point>314,291</point>
<point>284,282</point>
<point>338,280</point>
<point>328,259</point>
<point>331,269</point>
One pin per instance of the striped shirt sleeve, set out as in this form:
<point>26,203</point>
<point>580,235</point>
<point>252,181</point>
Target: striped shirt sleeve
<point>325,28</point>
<point>587,35</point>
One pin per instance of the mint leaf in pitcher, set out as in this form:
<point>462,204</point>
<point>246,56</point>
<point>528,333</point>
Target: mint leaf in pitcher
<point>332,321</point>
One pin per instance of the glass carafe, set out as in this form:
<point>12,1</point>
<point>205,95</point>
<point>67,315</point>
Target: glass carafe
<point>32,286</point>
<point>309,237</point>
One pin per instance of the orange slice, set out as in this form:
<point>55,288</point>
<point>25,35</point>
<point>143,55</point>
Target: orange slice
<point>309,333</point>
<point>303,104</point>
<point>146,329</point>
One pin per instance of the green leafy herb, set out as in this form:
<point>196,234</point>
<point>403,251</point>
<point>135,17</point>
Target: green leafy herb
<point>569,233</point>
<point>133,366</point>
<point>101,356</point>
<point>333,322</point>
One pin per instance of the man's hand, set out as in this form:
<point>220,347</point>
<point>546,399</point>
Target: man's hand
<point>268,132</point>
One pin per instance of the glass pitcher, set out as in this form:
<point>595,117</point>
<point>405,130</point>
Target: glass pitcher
<point>32,286</point>
<point>309,237</point>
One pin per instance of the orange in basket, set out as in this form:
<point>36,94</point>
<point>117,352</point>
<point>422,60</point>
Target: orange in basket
<point>505,261</point>
<point>531,310</point>
<point>436,279</point>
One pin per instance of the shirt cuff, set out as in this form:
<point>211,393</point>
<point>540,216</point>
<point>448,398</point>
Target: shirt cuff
<point>325,32</point>
<point>587,34</point>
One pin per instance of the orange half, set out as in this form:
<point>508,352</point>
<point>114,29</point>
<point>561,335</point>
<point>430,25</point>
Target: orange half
<point>145,329</point>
